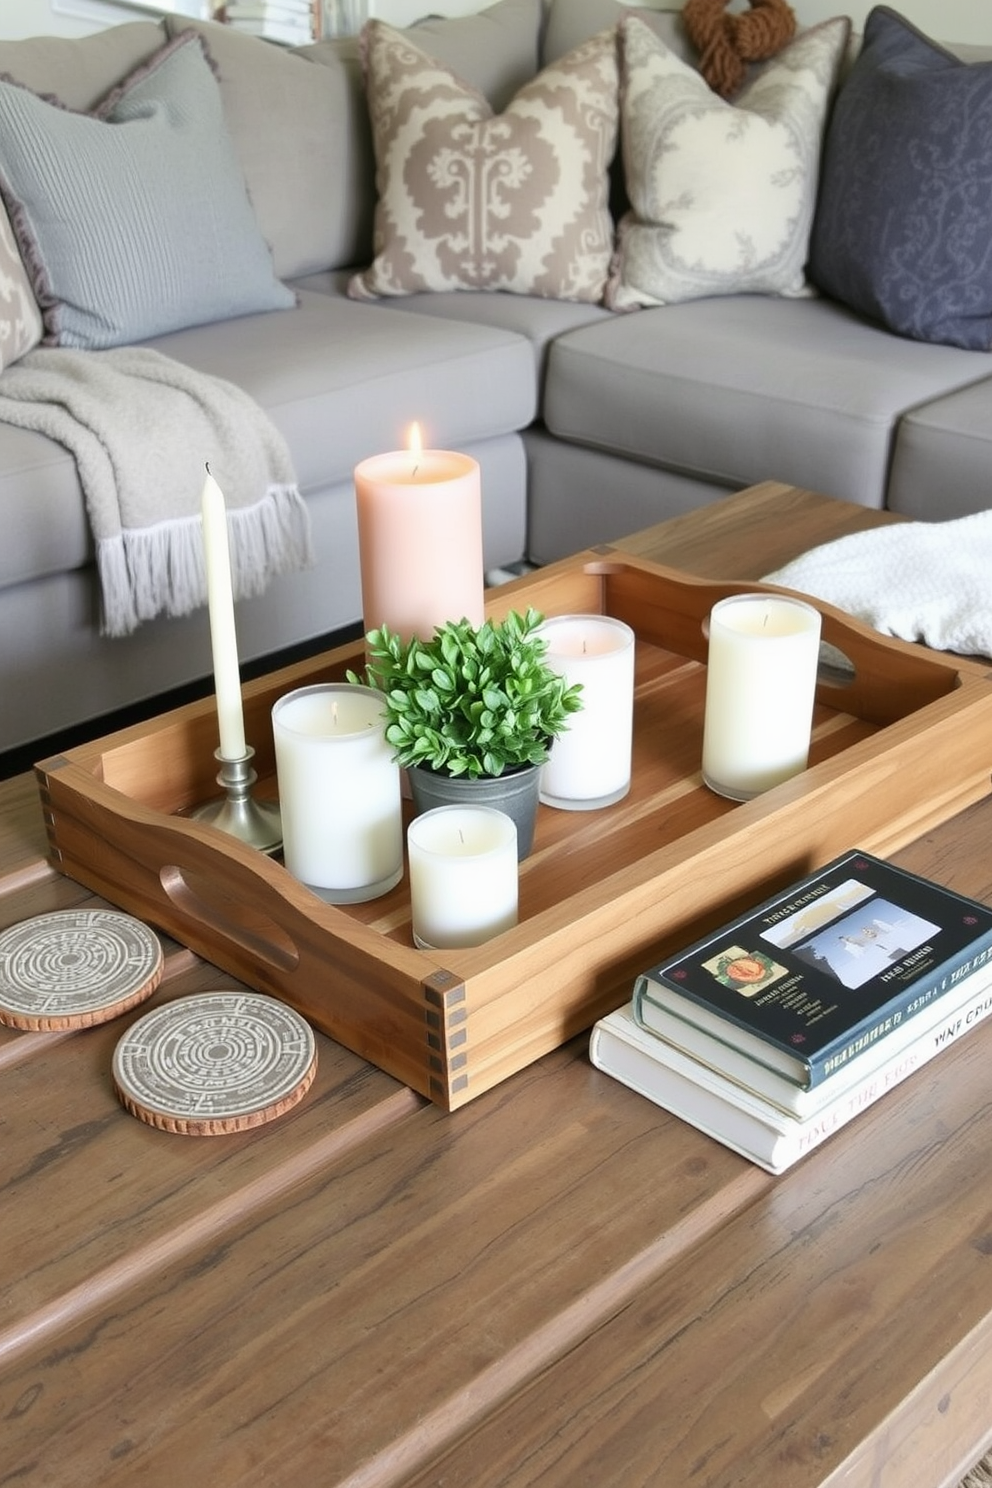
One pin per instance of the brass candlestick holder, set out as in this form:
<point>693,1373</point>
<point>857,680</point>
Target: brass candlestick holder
<point>256,823</point>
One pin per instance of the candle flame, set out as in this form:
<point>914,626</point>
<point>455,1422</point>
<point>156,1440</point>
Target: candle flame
<point>415,445</point>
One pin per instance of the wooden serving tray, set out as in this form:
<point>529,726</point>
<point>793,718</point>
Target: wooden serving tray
<point>902,745</point>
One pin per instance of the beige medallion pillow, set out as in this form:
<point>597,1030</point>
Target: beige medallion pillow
<point>722,194</point>
<point>20,317</point>
<point>473,200</point>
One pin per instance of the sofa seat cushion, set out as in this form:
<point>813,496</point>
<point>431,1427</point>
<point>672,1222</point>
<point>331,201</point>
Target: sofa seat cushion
<point>336,379</point>
<point>722,193</point>
<point>749,388</point>
<point>540,321</point>
<point>151,229</point>
<point>473,200</point>
<point>904,219</point>
<point>943,455</point>
<point>473,384</point>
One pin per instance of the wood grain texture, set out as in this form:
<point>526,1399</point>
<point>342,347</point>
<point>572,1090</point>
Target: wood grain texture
<point>601,894</point>
<point>558,1284</point>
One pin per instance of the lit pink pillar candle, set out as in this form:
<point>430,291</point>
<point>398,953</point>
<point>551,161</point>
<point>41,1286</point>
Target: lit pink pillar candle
<point>420,539</point>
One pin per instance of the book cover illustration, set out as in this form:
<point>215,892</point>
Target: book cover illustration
<point>832,963</point>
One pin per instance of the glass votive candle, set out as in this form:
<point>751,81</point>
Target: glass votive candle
<point>339,792</point>
<point>760,688</point>
<point>463,875</point>
<point>589,764</point>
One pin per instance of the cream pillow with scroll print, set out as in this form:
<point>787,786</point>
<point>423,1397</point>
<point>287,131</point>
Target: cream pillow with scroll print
<point>722,193</point>
<point>20,317</point>
<point>472,200</point>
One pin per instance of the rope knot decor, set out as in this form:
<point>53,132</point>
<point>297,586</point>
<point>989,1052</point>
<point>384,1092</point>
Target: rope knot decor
<point>727,43</point>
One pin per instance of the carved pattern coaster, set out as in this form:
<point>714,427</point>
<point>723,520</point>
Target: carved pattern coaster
<point>216,1063</point>
<point>75,968</point>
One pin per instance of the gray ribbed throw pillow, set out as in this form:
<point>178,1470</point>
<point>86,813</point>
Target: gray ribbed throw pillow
<point>134,220</point>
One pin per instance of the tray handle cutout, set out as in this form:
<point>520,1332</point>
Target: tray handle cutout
<point>202,899</point>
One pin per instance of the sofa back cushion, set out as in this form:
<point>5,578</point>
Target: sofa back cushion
<point>134,220</point>
<point>302,131</point>
<point>81,70</point>
<point>571,22</point>
<point>298,135</point>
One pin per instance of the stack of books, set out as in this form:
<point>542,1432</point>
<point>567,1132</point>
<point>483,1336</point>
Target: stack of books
<point>290,22</point>
<point>776,1031</point>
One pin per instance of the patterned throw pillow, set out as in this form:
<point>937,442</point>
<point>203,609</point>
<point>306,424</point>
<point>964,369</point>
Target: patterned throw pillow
<point>134,220</point>
<point>722,194</point>
<point>903,227</point>
<point>20,318</point>
<point>471,200</point>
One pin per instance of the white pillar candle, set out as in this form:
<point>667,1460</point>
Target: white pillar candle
<point>589,764</point>
<point>463,875</point>
<point>339,792</point>
<point>223,637</point>
<point>760,686</point>
<point>420,539</point>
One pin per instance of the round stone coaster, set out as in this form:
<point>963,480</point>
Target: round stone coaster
<point>75,968</point>
<point>215,1063</point>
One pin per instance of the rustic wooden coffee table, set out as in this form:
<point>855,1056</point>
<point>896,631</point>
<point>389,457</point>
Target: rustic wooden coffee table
<point>557,1284</point>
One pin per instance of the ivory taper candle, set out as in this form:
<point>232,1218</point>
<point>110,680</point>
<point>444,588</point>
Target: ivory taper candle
<point>223,635</point>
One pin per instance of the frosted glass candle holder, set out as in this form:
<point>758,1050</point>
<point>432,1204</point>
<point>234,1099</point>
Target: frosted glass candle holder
<point>463,875</point>
<point>339,792</point>
<point>589,765</point>
<point>760,686</point>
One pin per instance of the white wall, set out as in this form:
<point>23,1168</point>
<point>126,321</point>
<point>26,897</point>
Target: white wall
<point>950,20</point>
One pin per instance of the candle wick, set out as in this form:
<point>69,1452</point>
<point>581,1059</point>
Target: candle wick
<point>764,621</point>
<point>461,836</point>
<point>415,469</point>
<point>583,645</point>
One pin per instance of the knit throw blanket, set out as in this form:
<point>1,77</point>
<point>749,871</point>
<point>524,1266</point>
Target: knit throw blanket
<point>142,429</point>
<point>920,581</point>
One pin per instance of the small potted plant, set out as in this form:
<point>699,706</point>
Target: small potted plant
<point>472,712</point>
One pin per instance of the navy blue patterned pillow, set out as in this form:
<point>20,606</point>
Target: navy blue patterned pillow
<point>903,226</point>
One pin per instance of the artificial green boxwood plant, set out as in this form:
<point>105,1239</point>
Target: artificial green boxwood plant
<point>472,701</point>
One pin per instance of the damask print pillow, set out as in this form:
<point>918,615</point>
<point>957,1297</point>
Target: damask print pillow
<point>903,227</point>
<point>472,200</point>
<point>20,317</point>
<point>722,193</point>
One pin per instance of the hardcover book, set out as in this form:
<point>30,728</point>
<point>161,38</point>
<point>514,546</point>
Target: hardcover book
<point>743,1121</point>
<point>811,978</point>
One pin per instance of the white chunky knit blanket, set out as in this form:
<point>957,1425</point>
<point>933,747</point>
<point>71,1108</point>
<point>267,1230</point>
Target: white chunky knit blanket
<point>920,581</point>
<point>142,428</point>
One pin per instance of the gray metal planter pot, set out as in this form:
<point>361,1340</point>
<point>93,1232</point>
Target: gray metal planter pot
<point>515,792</point>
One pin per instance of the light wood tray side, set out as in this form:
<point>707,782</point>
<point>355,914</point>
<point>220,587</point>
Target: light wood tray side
<point>602,895</point>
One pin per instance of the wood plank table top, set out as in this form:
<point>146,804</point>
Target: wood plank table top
<point>558,1284</point>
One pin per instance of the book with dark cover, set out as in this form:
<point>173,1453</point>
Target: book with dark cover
<point>809,979</point>
<point>757,1128</point>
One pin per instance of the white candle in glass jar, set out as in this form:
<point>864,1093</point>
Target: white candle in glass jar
<point>589,765</point>
<point>463,875</point>
<point>760,687</point>
<point>339,792</point>
<point>420,539</point>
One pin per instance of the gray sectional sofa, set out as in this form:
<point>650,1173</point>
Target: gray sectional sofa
<point>587,422</point>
